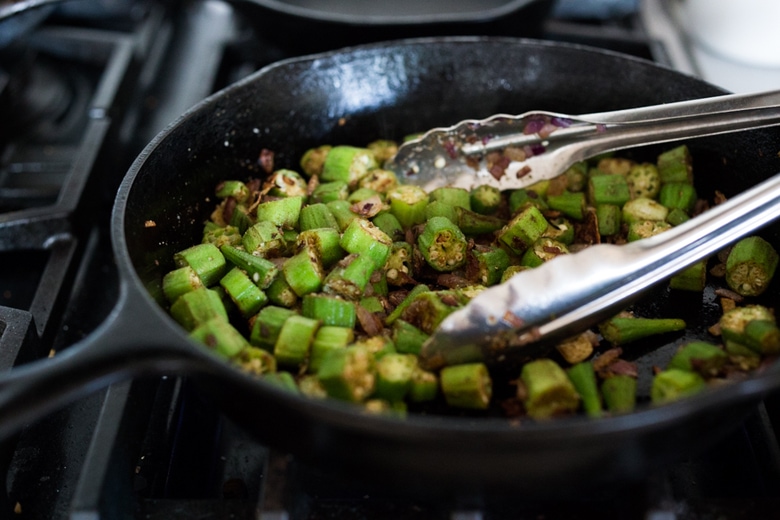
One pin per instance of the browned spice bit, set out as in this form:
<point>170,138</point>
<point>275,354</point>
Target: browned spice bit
<point>719,198</point>
<point>342,121</point>
<point>370,322</point>
<point>513,407</point>
<point>266,160</point>
<point>621,367</point>
<point>718,270</point>
<point>150,223</point>
<point>497,164</point>
<point>728,294</point>
<point>513,319</point>
<point>472,162</point>
<point>522,172</point>
<point>587,231</point>
<point>514,153</point>
<point>396,297</point>
<point>715,330</point>
<point>448,299</point>
<point>312,185</point>
<point>607,358</point>
<point>451,149</point>
<point>452,281</point>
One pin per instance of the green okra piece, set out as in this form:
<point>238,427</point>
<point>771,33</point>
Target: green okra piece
<point>428,309</point>
<point>399,266</point>
<point>256,361</point>
<point>342,213</point>
<point>280,293</point>
<point>523,230</point>
<point>282,380</point>
<point>350,277</point>
<point>407,203</point>
<point>388,223</point>
<point>348,164</point>
<point>304,272</point>
<point>734,321</point>
<point>362,237</point>
<point>267,324</point>
<point>619,393</point>
<point>677,216</point>
<point>583,377</point>
<point>423,386</point>
<point>485,199</point>
<point>383,149</point>
<point>294,340</point>
<point>692,278</point>
<point>240,218</point>
<point>379,180</point>
<point>348,374</point>
<point>219,235</point>
<point>751,265</point>
<point>329,191</point>
<point>699,356</point>
<point>326,242</point>
<point>260,270</point>
<point>646,229</point>
<point>205,259</point>
<point>522,198</point>
<point>642,209</point>
<point>313,159</point>
<point>377,284</point>
<point>560,229</point>
<point>577,176</point>
<point>571,204</point>
<point>180,281</point>
<point>408,339</point>
<point>329,310</point>
<point>328,338</point>
<point>310,386</point>
<point>511,271</point>
<point>376,406</point>
<point>612,165</point>
<point>264,239</point>
<point>283,213</point>
<point>361,194</point>
<point>488,265</point>
<point>232,188</point>
<point>608,189</point>
<point>543,250</point>
<point>198,306</point>
<point>678,195</point>
<point>741,356</point>
<point>643,181</point>
<point>438,208</point>
<point>394,375</point>
<point>675,165</point>
<point>451,196</point>
<point>401,307</point>
<point>548,390</point>
<point>609,219</point>
<point>243,291</point>
<point>442,245</point>
<point>220,337</point>
<point>287,183</point>
<point>763,336</point>
<point>672,384</point>
<point>372,304</point>
<point>620,330</point>
<point>473,223</point>
<point>467,386</point>
<point>378,346</point>
<point>315,216</point>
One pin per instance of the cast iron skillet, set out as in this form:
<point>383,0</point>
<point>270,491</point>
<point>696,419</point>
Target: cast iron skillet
<point>354,96</point>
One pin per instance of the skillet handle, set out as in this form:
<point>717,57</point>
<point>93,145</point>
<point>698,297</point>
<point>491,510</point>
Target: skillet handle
<point>133,341</point>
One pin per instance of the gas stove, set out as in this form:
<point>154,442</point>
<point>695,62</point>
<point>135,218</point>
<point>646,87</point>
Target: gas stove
<point>80,96</point>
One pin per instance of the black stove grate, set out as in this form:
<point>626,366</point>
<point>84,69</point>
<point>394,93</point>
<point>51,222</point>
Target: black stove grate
<point>151,448</point>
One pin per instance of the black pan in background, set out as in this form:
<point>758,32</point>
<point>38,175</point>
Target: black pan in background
<point>352,97</point>
<point>395,12</point>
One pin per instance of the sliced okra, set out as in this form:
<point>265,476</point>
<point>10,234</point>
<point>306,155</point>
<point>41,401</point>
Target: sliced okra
<point>675,165</point>
<point>348,164</point>
<point>571,204</point>
<point>646,229</point>
<point>348,374</point>
<point>443,245</point>
<point>523,230</point>
<point>623,329</point>
<point>329,191</point>
<point>328,338</point>
<point>281,293</point>
<point>260,270</point>
<point>467,386</point>
<point>407,203</point>
<point>547,389</point>
<point>673,383</point>
<point>350,277</point>
<point>692,278</point>
<point>583,377</point>
<point>543,250</point>
<point>699,356</point>
<point>220,336</point>
<point>256,361</point>
<point>243,291</point>
<point>234,189</point>
<point>643,181</point>
<point>485,199</point>
<point>394,375</point>
<point>329,309</point>
<point>313,159</point>
<point>488,265</point>
<point>379,180</point>
<point>294,340</point>
<point>198,306</point>
<point>451,196</point>
<point>408,339</point>
<point>325,242</point>
<point>423,386</point>
<point>205,259</point>
<point>318,215</point>
<point>267,324</point>
<point>619,393</point>
<point>180,281</point>
<point>362,237</point>
<point>286,183</point>
<point>264,239</point>
<point>751,265</point>
<point>304,272</point>
<point>282,212</point>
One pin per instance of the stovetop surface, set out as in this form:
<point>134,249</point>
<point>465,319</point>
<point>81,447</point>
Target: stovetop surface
<point>93,93</point>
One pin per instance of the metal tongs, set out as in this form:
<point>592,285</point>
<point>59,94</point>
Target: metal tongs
<point>574,292</point>
<point>541,145</point>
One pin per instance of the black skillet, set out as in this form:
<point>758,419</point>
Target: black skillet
<point>354,96</point>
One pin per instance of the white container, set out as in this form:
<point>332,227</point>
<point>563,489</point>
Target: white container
<point>746,31</point>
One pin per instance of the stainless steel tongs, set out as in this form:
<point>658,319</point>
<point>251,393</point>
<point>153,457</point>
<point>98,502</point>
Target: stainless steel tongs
<point>545,144</point>
<point>573,292</point>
